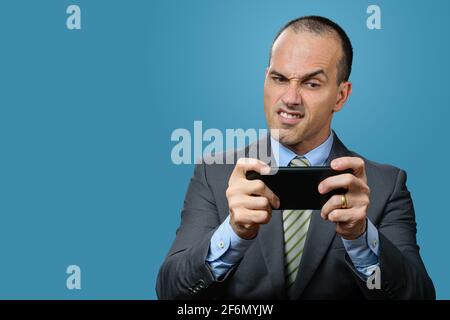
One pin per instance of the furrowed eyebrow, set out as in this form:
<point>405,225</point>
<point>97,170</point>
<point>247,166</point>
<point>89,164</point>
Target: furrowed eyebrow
<point>304,77</point>
<point>313,74</point>
<point>276,73</point>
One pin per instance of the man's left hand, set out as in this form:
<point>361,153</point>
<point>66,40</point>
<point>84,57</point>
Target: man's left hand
<point>351,221</point>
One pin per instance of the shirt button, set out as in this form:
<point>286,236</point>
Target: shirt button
<point>374,243</point>
<point>221,244</point>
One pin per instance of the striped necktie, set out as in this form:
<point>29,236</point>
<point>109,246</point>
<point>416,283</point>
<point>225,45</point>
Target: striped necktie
<point>295,226</point>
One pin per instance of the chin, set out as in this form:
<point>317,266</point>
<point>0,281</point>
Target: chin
<point>290,138</point>
<point>287,135</point>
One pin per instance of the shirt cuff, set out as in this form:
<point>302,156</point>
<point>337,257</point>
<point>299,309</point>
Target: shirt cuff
<point>226,245</point>
<point>368,240</point>
<point>363,251</point>
<point>373,238</point>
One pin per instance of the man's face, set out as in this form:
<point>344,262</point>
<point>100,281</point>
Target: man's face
<point>300,89</point>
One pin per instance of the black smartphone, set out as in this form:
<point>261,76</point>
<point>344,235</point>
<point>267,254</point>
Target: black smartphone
<point>297,187</point>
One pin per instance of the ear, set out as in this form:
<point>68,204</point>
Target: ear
<point>344,91</point>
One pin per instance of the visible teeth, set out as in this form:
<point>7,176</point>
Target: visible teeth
<point>289,116</point>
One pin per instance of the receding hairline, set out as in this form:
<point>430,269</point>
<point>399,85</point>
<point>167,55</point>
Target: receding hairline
<point>322,27</point>
<point>329,33</point>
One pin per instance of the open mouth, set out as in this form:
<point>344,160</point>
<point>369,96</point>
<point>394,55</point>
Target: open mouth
<point>289,117</point>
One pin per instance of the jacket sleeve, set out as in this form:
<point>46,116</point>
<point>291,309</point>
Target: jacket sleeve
<point>402,272</point>
<point>184,273</point>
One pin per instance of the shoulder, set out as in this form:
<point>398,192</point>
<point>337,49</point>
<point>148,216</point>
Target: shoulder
<point>259,149</point>
<point>381,175</point>
<point>380,168</point>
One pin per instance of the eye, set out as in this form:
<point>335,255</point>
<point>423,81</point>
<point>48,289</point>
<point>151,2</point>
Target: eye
<point>312,85</point>
<point>278,79</point>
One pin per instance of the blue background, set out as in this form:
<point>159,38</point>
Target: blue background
<point>86,117</point>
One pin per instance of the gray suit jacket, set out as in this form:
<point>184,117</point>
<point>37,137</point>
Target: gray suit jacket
<point>325,272</point>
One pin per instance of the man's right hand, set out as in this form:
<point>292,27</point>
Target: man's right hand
<point>250,201</point>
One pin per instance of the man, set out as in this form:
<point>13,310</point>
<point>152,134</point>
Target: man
<point>234,243</point>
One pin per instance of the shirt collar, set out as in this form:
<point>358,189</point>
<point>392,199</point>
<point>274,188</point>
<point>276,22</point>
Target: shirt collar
<point>316,157</point>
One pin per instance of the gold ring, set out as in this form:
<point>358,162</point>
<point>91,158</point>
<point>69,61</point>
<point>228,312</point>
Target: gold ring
<point>343,202</point>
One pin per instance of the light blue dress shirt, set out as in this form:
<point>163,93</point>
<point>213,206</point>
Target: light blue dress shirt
<point>227,248</point>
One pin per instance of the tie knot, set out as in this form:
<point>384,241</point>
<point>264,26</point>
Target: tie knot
<point>299,162</point>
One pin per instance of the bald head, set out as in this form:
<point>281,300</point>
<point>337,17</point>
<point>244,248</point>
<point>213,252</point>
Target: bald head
<point>321,26</point>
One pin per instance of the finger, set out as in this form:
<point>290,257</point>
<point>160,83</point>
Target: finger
<point>355,163</point>
<point>259,188</point>
<point>244,165</point>
<point>261,216</point>
<point>251,217</point>
<point>341,215</point>
<point>345,180</point>
<point>253,188</point>
<point>253,203</point>
<point>335,202</point>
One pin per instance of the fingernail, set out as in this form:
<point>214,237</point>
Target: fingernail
<point>320,188</point>
<point>335,163</point>
<point>265,170</point>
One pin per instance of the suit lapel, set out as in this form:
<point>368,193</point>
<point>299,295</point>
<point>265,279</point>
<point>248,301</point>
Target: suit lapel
<point>320,235</point>
<point>270,238</point>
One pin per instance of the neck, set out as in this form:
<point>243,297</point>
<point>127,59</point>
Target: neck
<point>307,145</point>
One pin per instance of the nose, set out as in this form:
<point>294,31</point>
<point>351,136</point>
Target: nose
<point>292,96</point>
